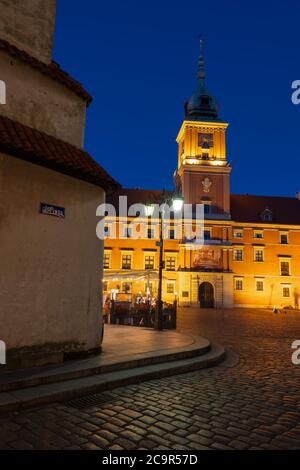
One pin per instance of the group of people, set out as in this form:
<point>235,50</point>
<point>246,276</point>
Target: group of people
<point>277,310</point>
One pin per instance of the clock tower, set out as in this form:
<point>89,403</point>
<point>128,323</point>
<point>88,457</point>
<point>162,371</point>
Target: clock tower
<point>203,171</point>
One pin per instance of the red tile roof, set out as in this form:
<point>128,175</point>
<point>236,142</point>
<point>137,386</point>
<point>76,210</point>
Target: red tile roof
<point>244,208</point>
<point>248,208</point>
<point>42,149</point>
<point>52,70</point>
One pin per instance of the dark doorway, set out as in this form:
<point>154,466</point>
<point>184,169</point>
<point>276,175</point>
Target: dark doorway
<point>206,295</point>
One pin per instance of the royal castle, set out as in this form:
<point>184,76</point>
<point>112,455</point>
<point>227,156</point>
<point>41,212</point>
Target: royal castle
<point>251,251</point>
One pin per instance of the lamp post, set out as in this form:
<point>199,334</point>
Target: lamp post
<point>177,204</point>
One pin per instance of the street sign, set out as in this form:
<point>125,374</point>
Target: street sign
<point>55,211</point>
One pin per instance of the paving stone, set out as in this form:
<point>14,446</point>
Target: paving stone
<point>136,429</point>
<point>99,441</point>
<point>148,444</point>
<point>253,405</point>
<point>90,446</point>
<point>199,439</point>
<point>112,428</point>
<point>126,444</point>
<point>132,414</point>
<point>239,445</point>
<point>219,446</point>
<point>108,435</point>
<point>147,419</point>
<point>115,447</point>
<point>89,427</point>
<point>181,432</point>
<point>132,436</point>
<point>177,439</point>
<point>165,426</point>
<point>21,445</point>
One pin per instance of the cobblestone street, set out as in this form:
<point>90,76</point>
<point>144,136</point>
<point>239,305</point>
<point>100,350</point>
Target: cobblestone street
<point>252,405</point>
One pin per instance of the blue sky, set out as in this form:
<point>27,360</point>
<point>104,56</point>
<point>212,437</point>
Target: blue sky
<point>138,59</point>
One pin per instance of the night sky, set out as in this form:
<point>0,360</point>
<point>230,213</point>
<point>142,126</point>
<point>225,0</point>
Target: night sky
<point>138,59</point>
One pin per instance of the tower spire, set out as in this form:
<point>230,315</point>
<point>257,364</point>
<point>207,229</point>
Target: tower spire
<point>201,66</point>
<point>201,105</point>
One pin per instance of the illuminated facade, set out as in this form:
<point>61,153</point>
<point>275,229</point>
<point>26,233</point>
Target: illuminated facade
<point>251,252</point>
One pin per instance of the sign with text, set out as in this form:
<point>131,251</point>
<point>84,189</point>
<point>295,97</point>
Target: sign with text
<point>55,211</point>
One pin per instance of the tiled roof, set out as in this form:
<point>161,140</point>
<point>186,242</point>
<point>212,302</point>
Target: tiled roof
<point>52,70</point>
<point>42,149</point>
<point>248,208</point>
<point>244,208</point>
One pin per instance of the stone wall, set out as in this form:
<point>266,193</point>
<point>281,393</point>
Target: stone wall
<point>50,270</point>
<point>29,25</point>
<point>38,101</point>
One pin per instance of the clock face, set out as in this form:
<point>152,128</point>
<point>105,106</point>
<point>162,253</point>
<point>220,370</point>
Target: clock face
<point>206,140</point>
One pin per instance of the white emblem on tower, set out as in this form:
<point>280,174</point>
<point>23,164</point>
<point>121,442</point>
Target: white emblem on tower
<point>206,183</point>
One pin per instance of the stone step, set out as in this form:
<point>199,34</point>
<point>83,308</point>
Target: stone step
<point>42,394</point>
<point>16,380</point>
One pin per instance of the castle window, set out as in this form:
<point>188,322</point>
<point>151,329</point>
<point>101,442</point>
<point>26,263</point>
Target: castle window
<point>207,234</point>
<point>170,263</point>
<point>126,261</point>
<point>259,255</point>
<point>284,268</point>
<point>238,284</point>
<point>238,255</point>
<point>149,262</point>
<point>205,100</point>
<point>267,215</point>
<point>238,234</point>
<point>170,287</point>
<point>171,235</point>
<point>284,238</point>
<point>286,291</point>
<point>258,234</point>
<point>106,261</point>
<point>259,286</point>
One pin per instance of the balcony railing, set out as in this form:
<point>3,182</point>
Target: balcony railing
<point>208,241</point>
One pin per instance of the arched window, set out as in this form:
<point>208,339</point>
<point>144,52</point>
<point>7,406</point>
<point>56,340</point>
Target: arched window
<point>267,215</point>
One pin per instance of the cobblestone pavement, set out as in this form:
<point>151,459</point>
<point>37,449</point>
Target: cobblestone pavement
<point>253,405</point>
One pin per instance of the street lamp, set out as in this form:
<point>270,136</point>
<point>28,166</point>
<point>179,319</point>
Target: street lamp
<point>176,203</point>
<point>149,209</point>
